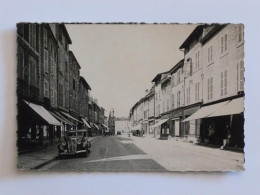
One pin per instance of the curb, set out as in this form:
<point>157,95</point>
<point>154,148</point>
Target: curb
<point>52,159</point>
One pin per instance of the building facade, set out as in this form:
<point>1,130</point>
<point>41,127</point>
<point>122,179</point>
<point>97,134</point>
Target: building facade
<point>49,88</point>
<point>201,98</point>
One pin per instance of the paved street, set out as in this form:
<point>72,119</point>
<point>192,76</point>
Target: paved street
<point>115,153</point>
<point>120,153</point>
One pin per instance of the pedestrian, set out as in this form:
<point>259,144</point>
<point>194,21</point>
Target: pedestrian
<point>142,133</point>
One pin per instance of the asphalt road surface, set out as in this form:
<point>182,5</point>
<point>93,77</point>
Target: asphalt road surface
<point>111,153</point>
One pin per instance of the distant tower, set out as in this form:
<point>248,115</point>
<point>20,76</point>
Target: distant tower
<point>111,121</point>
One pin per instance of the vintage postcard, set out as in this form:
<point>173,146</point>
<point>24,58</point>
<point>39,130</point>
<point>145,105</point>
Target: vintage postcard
<point>128,97</point>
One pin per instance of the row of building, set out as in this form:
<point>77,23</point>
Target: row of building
<point>201,98</point>
<point>52,95</point>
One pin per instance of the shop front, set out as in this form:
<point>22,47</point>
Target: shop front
<point>175,125</point>
<point>161,129</point>
<point>36,126</point>
<point>222,123</point>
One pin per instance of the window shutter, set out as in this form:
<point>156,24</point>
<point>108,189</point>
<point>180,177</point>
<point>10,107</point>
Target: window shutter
<point>225,82</point>
<point>242,75</point>
<point>225,42</point>
<point>198,59</point>
<point>222,85</point>
<point>211,54</point>
<point>222,43</point>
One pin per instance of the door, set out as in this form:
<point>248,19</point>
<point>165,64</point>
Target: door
<point>177,128</point>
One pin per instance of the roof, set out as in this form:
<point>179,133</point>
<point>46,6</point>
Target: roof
<point>64,29</point>
<point>195,34</point>
<point>52,35</point>
<point>85,83</point>
<point>215,30</point>
<point>158,76</point>
<point>176,66</point>
<point>74,58</point>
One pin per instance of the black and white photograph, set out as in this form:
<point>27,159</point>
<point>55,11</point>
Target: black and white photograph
<point>130,97</point>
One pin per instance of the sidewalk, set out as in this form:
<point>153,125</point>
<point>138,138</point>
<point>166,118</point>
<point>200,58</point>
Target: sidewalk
<point>182,156</point>
<point>41,157</point>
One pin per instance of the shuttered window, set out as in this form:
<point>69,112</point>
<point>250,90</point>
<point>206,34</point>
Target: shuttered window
<point>240,68</point>
<point>224,43</point>
<point>210,88</point>
<point>52,96</point>
<point>45,61</point>
<point>45,39</point>
<point>46,88</point>
<point>32,71</point>
<point>223,83</point>
<point>20,60</point>
<point>210,54</point>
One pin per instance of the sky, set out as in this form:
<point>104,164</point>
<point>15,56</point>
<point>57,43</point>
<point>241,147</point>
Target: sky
<point>120,61</point>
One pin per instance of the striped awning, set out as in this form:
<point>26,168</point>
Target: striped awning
<point>43,113</point>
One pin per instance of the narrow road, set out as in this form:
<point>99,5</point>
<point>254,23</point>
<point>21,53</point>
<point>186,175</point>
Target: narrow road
<point>114,153</point>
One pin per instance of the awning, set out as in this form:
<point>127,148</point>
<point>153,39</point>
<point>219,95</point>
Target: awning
<point>66,120</point>
<point>95,125</point>
<point>86,123</point>
<point>105,126</point>
<point>66,114</point>
<point>57,117</point>
<point>159,123</point>
<point>235,106</point>
<point>205,111</point>
<point>43,113</point>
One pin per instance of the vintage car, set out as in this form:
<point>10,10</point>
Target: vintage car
<point>74,142</point>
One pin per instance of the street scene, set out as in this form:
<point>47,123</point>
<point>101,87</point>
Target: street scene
<point>130,97</point>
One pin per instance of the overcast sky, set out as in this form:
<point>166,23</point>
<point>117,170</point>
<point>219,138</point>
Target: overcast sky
<point>120,61</point>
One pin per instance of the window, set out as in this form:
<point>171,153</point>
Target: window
<point>74,84</point>
<point>32,36</point>
<point>173,84</point>
<point>210,54</point>
<point>197,59</point>
<point>60,95</point>
<point>32,71</point>
<point>188,95</point>
<point>66,68</point>
<point>240,68</point>
<point>20,60</point>
<point>223,83</point>
<point>46,88</point>
<point>178,76</point>
<point>55,98</point>
<point>224,45</point>
<point>54,68</point>
<point>52,65</point>
<point>178,99</point>
<point>210,88</point>
<point>190,67</point>
<point>52,97</point>
<point>45,40</point>
<point>197,89</point>
<point>45,61</point>
<point>240,33</point>
<point>172,101</point>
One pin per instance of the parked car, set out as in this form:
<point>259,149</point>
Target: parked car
<point>75,142</point>
<point>118,133</point>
